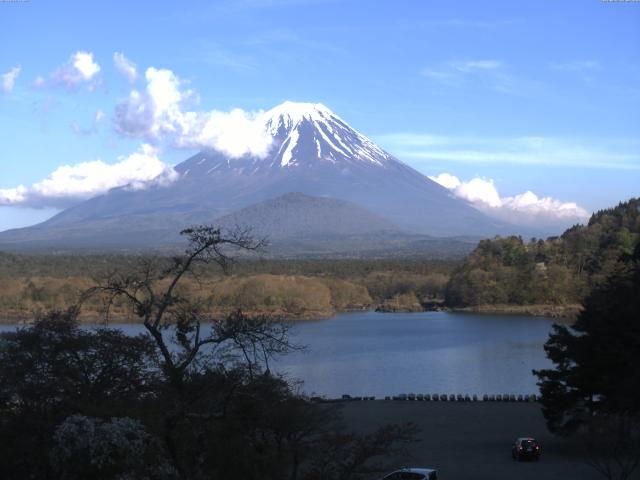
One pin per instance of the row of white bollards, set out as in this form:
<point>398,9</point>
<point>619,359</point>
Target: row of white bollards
<point>427,397</point>
<point>438,397</point>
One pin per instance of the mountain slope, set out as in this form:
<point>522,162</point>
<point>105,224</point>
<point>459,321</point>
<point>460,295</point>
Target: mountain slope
<point>314,152</point>
<point>299,216</point>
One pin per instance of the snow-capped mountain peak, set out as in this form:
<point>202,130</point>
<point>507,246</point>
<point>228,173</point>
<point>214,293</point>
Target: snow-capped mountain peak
<point>289,114</point>
<point>314,152</point>
<point>311,132</point>
<point>305,136</point>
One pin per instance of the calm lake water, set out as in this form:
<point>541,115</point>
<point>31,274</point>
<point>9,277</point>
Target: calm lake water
<point>429,352</point>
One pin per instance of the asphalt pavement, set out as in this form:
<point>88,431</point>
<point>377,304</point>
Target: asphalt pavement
<point>473,441</point>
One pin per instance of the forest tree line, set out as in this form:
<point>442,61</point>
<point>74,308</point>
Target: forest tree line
<point>286,288</point>
<point>559,270</point>
<point>501,271</point>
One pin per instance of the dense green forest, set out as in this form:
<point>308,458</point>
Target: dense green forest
<point>559,270</point>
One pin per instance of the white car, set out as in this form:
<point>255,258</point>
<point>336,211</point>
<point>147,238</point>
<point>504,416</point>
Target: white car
<point>413,474</point>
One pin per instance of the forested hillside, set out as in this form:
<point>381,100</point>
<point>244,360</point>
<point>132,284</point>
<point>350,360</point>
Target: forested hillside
<point>559,270</point>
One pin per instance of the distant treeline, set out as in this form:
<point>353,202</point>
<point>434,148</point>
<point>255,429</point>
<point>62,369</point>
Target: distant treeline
<point>559,270</point>
<point>17,265</point>
<point>502,272</point>
<point>290,288</point>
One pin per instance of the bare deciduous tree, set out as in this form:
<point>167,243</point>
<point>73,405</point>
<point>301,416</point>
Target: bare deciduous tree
<point>187,337</point>
<point>219,408</point>
<point>152,292</point>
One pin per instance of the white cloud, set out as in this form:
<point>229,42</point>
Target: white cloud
<point>84,64</point>
<point>9,78</point>
<point>523,209</point>
<point>159,111</point>
<point>447,180</point>
<point>458,73</point>
<point>620,154</point>
<point>69,184</point>
<point>236,133</point>
<point>484,73</point>
<point>126,67</point>
<point>80,68</point>
<point>13,196</point>
<point>478,190</point>
<point>39,82</point>
<point>442,76</point>
<point>155,111</point>
<point>475,65</point>
<point>100,115</point>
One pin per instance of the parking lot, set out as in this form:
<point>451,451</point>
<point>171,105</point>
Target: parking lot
<point>472,441</point>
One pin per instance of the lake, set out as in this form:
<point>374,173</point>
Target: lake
<point>429,352</point>
<point>369,353</point>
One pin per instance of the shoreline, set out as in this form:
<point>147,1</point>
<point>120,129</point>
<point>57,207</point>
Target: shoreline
<point>565,313</point>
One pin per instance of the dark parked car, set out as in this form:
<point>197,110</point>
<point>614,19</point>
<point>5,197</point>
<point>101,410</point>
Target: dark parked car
<point>526,448</point>
<point>413,474</point>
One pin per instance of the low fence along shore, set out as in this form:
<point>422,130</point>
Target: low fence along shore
<point>435,397</point>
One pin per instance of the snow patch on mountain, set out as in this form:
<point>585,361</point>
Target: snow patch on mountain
<point>294,124</point>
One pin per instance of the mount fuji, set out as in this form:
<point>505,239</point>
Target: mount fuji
<point>313,152</point>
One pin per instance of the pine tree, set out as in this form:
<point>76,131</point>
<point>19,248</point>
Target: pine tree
<point>597,360</point>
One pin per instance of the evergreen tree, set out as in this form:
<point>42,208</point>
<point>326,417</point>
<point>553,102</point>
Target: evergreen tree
<point>596,370</point>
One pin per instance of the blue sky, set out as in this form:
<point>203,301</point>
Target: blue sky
<point>521,96</point>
